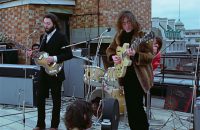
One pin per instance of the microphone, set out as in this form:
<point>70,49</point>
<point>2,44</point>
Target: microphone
<point>108,29</point>
<point>34,31</point>
<point>31,33</point>
<point>172,42</point>
<point>27,38</point>
<point>189,50</point>
<point>168,46</point>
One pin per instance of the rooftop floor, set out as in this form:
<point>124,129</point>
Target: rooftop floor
<point>13,117</point>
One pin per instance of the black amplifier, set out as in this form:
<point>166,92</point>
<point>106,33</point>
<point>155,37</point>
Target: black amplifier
<point>17,70</point>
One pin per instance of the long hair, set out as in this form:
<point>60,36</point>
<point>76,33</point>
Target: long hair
<point>159,42</point>
<point>131,17</point>
<point>53,18</point>
<point>78,115</point>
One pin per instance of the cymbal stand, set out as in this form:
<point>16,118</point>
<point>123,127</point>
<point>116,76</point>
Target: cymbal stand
<point>96,123</point>
<point>88,44</point>
<point>94,63</point>
<point>102,78</point>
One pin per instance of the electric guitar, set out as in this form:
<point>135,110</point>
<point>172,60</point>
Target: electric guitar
<point>120,69</point>
<point>51,69</point>
<point>40,59</point>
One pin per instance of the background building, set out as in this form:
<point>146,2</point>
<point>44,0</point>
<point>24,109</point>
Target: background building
<point>80,20</point>
<point>176,41</point>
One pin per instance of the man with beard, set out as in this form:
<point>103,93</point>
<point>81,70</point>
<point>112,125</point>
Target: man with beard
<point>51,42</point>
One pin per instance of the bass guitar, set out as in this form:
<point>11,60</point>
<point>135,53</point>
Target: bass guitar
<point>120,69</point>
<point>40,59</point>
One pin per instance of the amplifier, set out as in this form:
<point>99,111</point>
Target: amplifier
<point>16,90</point>
<point>17,70</point>
<point>15,87</point>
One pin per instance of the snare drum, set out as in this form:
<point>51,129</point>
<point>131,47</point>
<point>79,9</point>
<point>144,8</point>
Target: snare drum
<point>93,75</point>
<point>111,77</point>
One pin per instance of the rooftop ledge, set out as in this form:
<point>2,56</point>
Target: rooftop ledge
<point>12,3</point>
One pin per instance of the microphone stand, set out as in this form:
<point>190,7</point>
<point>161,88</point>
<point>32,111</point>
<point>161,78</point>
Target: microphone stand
<point>99,44</point>
<point>25,77</point>
<point>148,107</point>
<point>88,42</point>
<point>163,75</point>
<point>148,93</point>
<point>95,59</point>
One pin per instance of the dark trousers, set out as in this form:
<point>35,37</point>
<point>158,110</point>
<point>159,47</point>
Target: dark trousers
<point>42,92</point>
<point>134,93</point>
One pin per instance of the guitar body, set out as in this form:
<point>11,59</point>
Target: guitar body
<point>120,69</point>
<point>51,69</point>
<point>40,60</point>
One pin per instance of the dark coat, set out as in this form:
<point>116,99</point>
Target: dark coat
<point>142,65</point>
<point>53,48</point>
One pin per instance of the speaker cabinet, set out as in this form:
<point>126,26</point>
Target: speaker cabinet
<point>16,87</point>
<point>73,83</point>
<point>15,91</point>
<point>178,99</point>
<point>9,56</point>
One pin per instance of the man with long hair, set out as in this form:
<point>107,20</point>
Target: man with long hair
<point>138,77</point>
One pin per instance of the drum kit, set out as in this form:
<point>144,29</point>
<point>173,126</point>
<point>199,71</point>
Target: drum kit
<point>107,98</point>
<point>105,83</point>
<point>106,86</point>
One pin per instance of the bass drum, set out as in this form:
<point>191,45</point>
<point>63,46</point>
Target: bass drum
<point>111,112</point>
<point>96,100</point>
<point>110,93</point>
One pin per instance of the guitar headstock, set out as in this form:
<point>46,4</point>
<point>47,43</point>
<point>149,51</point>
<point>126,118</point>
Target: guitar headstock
<point>148,36</point>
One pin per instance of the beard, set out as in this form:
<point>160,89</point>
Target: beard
<point>49,30</point>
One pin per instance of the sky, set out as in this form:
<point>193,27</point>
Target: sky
<point>189,11</point>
